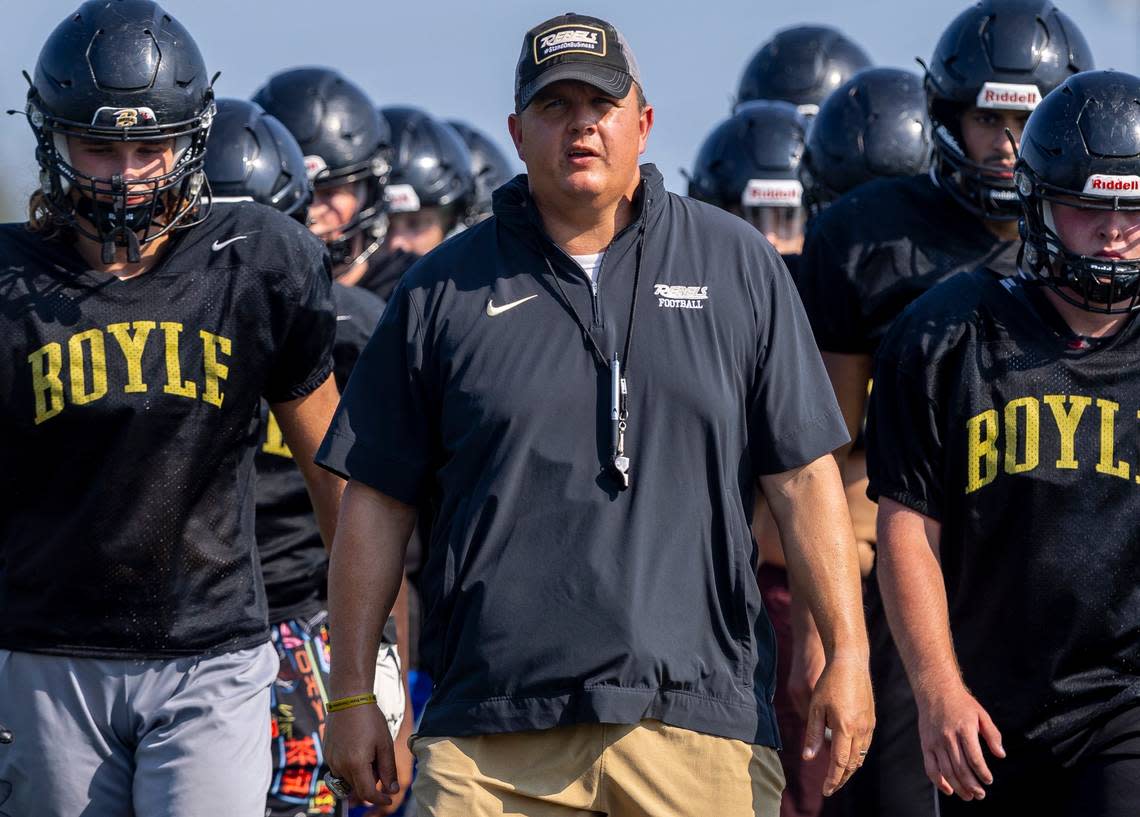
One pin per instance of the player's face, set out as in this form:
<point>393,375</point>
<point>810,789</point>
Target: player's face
<point>136,162</point>
<point>333,208</point>
<point>1102,233</point>
<point>419,232</point>
<point>580,144</point>
<point>984,139</point>
<point>782,226</point>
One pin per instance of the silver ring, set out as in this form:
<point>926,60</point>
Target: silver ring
<point>340,787</point>
<point>862,753</point>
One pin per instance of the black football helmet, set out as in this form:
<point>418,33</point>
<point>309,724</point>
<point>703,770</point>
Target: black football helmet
<point>1000,54</point>
<point>250,156</point>
<point>801,65</point>
<point>489,165</point>
<point>431,166</point>
<point>873,125</point>
<point>344,140</point>
<point>121,71</point>
<point>749,165</point>
<point>1081,148</point>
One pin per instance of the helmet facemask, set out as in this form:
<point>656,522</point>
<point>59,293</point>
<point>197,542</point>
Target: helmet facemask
<point>97,207</point>
<point>368,221</point>
<point>984,190</point>
<point>1103,285</point>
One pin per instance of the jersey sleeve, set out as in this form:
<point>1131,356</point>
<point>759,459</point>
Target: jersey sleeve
<point>830,296</point>
<point>303,358</point>
<point>904,440</point>
<point>382,432</point>
<point>792,413</point>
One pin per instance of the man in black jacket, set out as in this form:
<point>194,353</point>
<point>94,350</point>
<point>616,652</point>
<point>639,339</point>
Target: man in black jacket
<point>588,388</point>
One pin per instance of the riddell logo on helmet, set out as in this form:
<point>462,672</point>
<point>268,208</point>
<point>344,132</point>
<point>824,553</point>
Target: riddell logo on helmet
<point>1101,185</point>
<point>1008,96</point>
<point>772,193</point>
<point>569,39</point>
<point>315,166</point>
<point>401,198</point>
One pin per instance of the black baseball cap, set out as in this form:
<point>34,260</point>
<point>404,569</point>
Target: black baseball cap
<point>578,47</point>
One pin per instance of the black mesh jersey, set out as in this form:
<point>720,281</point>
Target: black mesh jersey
<point>878,248</point>
<point>130,412</point>
<point>293,559</point>
<point>990,416</point>
<point>385,269</point>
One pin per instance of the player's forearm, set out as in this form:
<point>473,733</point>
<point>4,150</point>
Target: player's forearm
<point>304,422</point>
<point>365,571</point>
<point>850,375</point>
<point>325,490</point>
<point>914,597</point>
<point>810,509</point>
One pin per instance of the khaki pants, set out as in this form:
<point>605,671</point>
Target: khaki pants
<point>597,769</point>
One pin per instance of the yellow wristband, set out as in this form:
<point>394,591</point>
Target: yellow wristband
<point>350,702</point>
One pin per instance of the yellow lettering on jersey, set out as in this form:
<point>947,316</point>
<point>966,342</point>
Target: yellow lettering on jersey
<point>1067,421</point>
<point>174,383</point>
<point>982,457</point>
<point>47,363</point>
<point>1138,418</point>
<point>132,346</point>
<point>1108,411</point>
<point>1032,435</point>
<point>275,439</point>
<point>93,338</point>
<point>215,370</point>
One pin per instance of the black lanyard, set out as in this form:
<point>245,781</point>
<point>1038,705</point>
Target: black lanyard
<point>619,390</point>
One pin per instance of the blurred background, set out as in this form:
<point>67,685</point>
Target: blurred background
<point>456,58</point>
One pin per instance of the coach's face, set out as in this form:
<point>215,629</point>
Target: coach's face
<point>579,145</point>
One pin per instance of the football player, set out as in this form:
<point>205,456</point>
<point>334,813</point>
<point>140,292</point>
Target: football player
<point>880,246</point>
<point>347,150</point>
<point>489,165</point>
<point>873,126</point>
<point>141,325</point>
<point>1002,449</point>
<point>749,166</point>
<point>251,156</point>
<point>801,65</point>
<point>431,189</point>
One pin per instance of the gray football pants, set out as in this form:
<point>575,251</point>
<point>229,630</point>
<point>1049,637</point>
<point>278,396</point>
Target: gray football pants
<point>95,737</point>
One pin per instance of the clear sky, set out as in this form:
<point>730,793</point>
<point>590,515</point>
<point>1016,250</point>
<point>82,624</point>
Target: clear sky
<point>457,58</point>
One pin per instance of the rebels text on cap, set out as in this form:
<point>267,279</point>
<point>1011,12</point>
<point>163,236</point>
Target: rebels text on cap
<point>569,39</point>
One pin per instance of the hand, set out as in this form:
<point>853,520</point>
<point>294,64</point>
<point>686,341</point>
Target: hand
<point>950,721</point>
<point>404,761</point>
<point>808,662</point>
<point>358,747</point>
<point>841,702</point>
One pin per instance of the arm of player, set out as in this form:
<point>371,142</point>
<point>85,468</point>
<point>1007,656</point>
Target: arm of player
<point>950,719</point>
<point>810,509</point>
<point>850,375</point>
<point>404,760</point>
<point>365,572</point>
<point>304,422</point>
